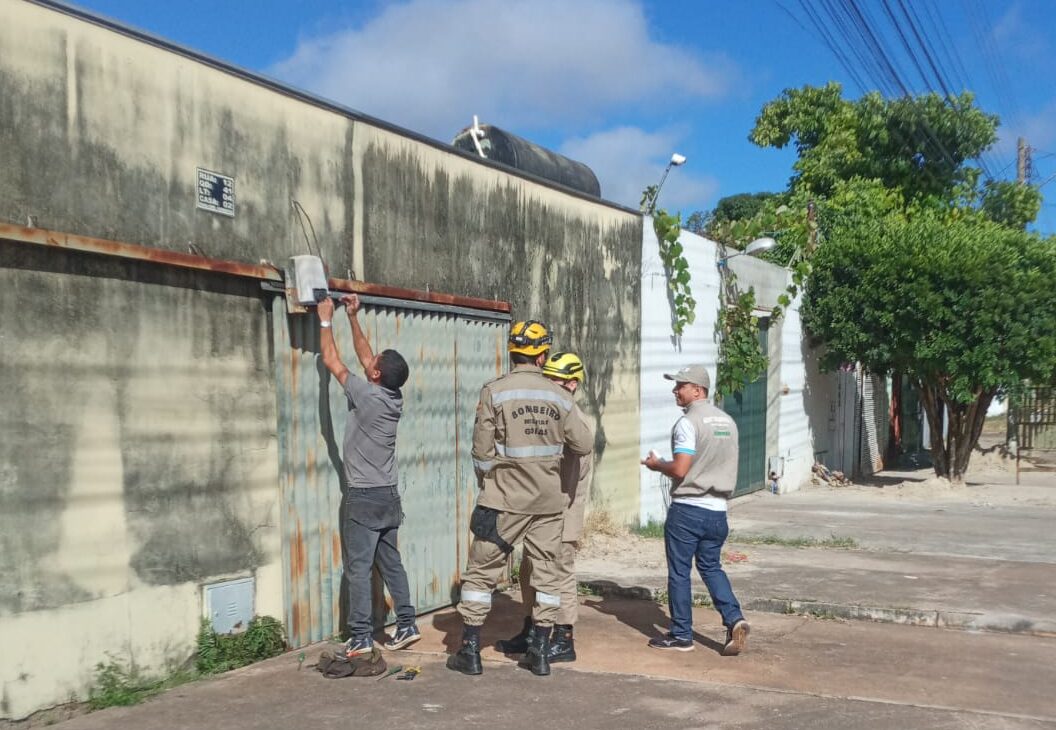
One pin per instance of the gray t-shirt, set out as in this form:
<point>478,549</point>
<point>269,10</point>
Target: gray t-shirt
<point>370,435</point>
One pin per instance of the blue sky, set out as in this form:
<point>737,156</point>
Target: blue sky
<point>620,84</point>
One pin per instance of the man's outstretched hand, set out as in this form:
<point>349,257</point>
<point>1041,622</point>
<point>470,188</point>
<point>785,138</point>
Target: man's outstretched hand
<point>351,302</point>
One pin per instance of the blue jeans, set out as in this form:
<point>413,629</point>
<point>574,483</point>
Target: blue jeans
<point>368,535</point>
<point>694,532</point>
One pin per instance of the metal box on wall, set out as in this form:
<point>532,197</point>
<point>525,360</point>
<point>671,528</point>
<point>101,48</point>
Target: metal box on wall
<point>229,604</point>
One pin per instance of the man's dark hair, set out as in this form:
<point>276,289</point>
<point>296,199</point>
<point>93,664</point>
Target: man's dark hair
<point>393,368</point>
<point>519,358</point>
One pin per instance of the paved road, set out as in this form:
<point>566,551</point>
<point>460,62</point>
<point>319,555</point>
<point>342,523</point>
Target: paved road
<point>992,522</point>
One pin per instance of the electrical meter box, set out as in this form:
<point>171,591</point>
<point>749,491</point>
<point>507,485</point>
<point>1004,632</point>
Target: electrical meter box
<point>309,279</point>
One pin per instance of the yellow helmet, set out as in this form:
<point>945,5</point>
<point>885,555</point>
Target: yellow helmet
<point>529,338</point>
<point>565,366</point>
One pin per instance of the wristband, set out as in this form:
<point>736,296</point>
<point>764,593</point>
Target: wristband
<point>326,325</point>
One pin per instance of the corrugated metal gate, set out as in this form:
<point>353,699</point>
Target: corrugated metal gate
<point>451,353</point>
<point>873,423</point>
<point>748,409</point>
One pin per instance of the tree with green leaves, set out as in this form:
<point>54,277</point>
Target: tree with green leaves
<point>917,267</point>
<point>962,307</point>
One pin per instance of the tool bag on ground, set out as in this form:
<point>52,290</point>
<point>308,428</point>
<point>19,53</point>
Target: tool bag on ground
<point>335,665</point>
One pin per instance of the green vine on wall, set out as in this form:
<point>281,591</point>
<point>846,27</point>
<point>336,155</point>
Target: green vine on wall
<point>741,359</point>
<point>668,228</point>
<point>676,267</point>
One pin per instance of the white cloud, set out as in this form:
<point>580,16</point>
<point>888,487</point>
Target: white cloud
<point>628,159</point>
<point>1019,34</point>
<point>429,65</point>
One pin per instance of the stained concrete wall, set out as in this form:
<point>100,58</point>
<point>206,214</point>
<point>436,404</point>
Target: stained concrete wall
<point>137,461</point>
<point>798,395</point>
<point>141,439</point>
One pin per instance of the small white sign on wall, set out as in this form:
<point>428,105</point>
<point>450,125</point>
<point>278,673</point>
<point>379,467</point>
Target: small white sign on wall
<point>216,192</point>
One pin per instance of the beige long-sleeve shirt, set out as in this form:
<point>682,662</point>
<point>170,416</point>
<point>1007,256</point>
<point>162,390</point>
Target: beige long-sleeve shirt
<point>524,424</point>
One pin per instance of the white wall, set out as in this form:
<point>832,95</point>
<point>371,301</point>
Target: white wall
<point>795,440</point>
<point>802,394</point>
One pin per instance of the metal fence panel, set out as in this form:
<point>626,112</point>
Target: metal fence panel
<point>450,356</point>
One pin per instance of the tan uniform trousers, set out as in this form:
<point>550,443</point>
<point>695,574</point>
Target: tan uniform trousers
<point>568,612</point>
<point>541,535</point>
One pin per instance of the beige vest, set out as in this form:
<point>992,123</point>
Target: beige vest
<point>713,470</point>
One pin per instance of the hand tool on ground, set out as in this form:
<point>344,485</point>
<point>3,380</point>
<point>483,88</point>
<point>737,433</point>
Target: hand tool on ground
<point>411,673</point>
<point>394,670</point>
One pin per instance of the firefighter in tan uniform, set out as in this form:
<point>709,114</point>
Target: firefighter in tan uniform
<point>566,369</point>
<point>524,424</point>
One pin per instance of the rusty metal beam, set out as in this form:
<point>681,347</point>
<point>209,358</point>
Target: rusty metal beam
<point>393,292</point>
<point>262,272</point>
<point>134,252</point>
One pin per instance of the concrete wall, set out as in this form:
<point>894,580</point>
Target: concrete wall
<point>798,394</point>
<point>137,461</point>
<point>137,454</point>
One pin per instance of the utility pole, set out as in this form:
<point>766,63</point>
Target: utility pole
<point>1023,171</point>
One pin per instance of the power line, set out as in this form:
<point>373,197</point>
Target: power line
<point>853,34</point>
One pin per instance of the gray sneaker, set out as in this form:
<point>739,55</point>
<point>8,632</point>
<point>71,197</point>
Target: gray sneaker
<point>736,638</point>
<point>404,636</point>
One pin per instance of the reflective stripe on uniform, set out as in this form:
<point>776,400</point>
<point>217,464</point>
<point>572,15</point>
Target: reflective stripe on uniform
<point>469,596</point>
<point>547,599</point>
<point>543,395</point>
<point>483,465</point>
<point>521,452</point>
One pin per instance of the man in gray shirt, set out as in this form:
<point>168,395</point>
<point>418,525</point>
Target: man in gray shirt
<point>372,508</point>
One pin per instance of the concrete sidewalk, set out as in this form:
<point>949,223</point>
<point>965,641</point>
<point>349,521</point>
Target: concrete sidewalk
<point>797,672</point>
<point>979,557</point>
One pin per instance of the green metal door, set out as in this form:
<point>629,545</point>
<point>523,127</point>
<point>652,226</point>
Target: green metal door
<point>748,408</point>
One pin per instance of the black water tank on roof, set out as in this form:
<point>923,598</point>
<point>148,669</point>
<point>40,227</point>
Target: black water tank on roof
<point>521,154</point>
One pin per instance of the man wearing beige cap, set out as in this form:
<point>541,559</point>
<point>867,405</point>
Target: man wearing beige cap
<point>703,473</point>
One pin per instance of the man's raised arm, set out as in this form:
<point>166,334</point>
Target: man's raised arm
<point>327,343</point>
<point>359,339</point>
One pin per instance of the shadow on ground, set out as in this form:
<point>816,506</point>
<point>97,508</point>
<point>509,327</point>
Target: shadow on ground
<point>650,620</point>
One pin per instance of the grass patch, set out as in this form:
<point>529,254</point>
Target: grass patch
<point>119,686</point>
<point>652,529</point>
<point>262,639</point>
<point>833,541</point>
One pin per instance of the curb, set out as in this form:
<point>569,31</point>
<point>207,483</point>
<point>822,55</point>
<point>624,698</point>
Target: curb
<point>962,620</point>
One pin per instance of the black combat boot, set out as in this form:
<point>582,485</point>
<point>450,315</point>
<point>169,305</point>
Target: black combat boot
<point>517,644</point>
<point>562,648</point>
<point>467,659</point>
<point>537,658</point>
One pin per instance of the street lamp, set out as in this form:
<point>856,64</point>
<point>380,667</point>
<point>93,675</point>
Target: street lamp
<point>756,247</point>
<point>676,161</point>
